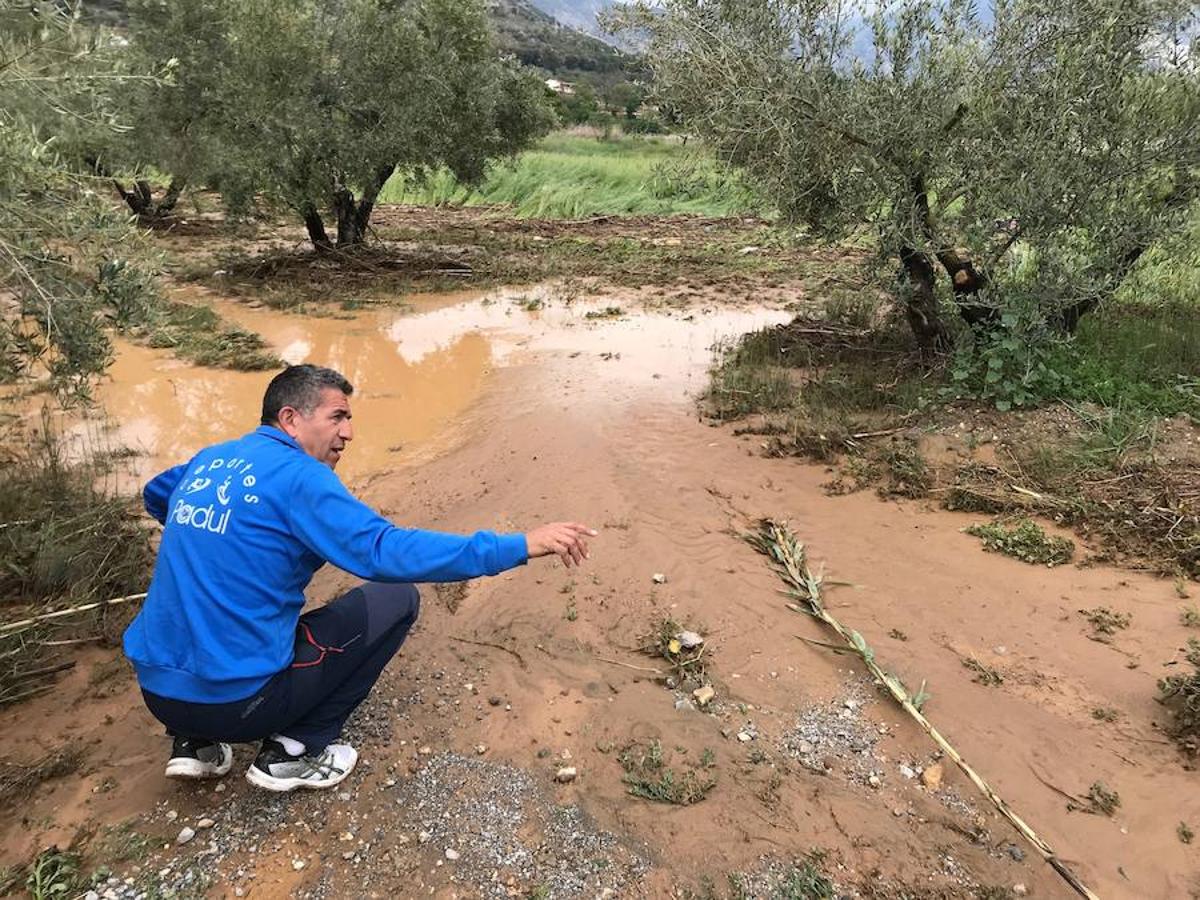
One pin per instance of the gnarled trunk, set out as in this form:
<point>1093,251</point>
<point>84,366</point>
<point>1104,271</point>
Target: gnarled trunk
<point>920,302</point>
<point>316,228</point>
<point>354,217</point>
<point>140,199</point>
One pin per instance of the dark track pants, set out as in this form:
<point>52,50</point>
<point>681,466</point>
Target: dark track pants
<point>341,650</point>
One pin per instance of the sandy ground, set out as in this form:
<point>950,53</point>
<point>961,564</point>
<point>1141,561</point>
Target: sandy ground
<point>560,432</point>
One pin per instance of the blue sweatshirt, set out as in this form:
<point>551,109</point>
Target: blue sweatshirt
<point>248,522</point>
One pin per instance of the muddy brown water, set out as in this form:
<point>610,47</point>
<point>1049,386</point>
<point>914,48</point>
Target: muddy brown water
<point>518,417</point>
<point>416,369</point>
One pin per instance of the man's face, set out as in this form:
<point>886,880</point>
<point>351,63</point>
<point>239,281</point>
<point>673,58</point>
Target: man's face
<point>324,433</point>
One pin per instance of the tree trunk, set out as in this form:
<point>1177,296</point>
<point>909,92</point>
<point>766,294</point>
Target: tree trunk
<point>140,199</point>
<point>920,302</point>
<point>316,229</point>
<point>354,217</point>
<point>966,281</point>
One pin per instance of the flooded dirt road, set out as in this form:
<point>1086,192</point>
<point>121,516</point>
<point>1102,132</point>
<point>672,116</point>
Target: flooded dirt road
<point>416,368</point>
<point>508,415</point>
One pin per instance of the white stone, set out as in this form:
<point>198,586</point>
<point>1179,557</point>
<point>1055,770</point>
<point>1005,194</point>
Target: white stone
<point>185,835</point>
<point>451,854</point>
<point>689,640</point>
<point>659,578</point>
<point>566,774</point>
<point>297,864</point>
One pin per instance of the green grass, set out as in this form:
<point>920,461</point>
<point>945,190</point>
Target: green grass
<point>572,176</point>
<point>1137,356</point>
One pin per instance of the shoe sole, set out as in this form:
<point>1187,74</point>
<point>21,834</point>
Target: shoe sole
<point>261,779</point>
<point>192,769</point>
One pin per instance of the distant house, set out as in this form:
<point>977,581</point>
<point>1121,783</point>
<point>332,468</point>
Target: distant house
<point>560,87</point>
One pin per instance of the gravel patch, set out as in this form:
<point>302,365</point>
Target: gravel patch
<point>836,736</point>
<point>506,833</point>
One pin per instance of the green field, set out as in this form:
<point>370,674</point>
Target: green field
<point>572,175</point>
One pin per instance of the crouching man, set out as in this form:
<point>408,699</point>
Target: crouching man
<point>222,652</point>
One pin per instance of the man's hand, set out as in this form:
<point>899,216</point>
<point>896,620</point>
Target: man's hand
<point>563,538</point>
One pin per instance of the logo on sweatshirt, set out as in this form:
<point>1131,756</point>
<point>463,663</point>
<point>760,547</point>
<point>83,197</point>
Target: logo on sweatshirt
<point>237,484</point>
<point>205,518</point>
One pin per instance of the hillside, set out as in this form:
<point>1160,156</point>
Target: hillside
<point>579,14</point>
<point>536,38</point>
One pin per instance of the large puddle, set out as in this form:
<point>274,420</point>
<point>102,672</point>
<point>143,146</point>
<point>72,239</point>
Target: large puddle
<point>416,370</point>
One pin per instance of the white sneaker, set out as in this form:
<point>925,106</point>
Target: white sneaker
<point>274,769</point>
<point>199,759</point>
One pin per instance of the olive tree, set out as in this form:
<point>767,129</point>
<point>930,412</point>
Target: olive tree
<point>315,105</point>
<point>1013,163</point>
<point>68,262</point>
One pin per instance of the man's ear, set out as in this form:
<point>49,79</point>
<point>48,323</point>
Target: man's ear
<point>287,420</point>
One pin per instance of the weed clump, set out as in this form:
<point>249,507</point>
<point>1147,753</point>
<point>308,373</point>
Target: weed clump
<point>648,776</point>
<point>907,473</point>
<point>1101,801</point>
<point>682,649</point>
<point>55,873</point>
<point>1105,622</point>
<point>1181,695</point>
<point>1024,540</point>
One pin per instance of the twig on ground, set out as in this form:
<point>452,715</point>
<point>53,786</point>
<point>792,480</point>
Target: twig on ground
<point>779,544</point>
<point>509,650</point>
<point>625,665</point>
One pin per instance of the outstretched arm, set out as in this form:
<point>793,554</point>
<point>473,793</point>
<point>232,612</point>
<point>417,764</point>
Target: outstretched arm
<point>339,528</point>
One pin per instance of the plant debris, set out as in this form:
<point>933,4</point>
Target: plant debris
<point>1024,540</point>
<point>1105,622</point>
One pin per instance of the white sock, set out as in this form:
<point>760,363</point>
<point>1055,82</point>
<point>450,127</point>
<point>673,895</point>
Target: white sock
<point>291,745</point>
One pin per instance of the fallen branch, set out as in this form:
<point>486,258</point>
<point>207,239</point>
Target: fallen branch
<point>787,554</point>
<point>4,629</point>
<point>509,650</point>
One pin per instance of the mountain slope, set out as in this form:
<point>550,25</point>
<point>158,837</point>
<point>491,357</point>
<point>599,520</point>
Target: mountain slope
<point>579,14</point>
<point>538,39</point>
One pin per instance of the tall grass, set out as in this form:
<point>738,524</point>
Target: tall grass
<point>65,539</point>
<point>574,175</point>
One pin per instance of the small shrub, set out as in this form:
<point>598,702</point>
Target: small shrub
<point>1024,540</point>
<point>1104,714</point>
<point>648,776</point>
<point>1189,616</point>
<point>907,473</point>
<point>1185,834</point>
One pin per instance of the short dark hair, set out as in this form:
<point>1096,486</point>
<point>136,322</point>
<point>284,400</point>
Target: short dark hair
<point>300,388</point>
